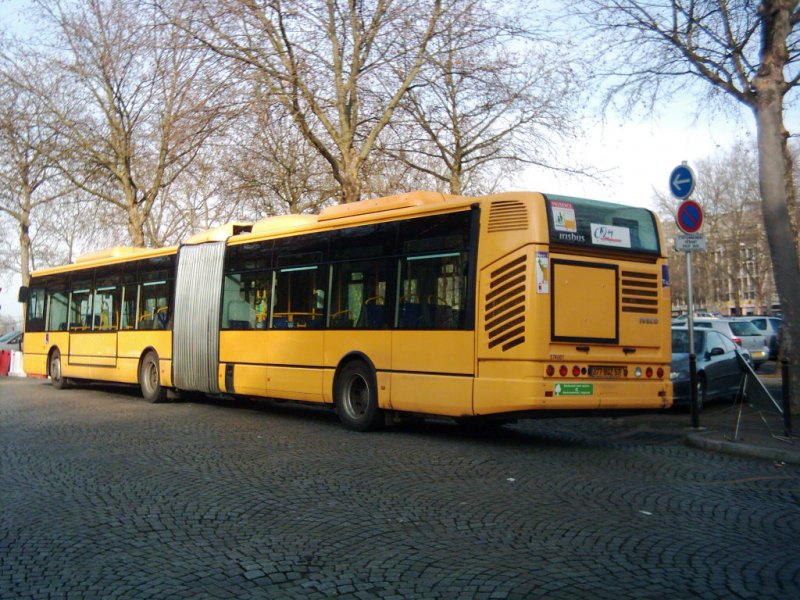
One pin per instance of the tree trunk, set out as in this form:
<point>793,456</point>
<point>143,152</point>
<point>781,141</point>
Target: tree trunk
<point>25,250</point>
<point>770,85</point>
<point>350,181</point>
<point>785,264</point>
<point>136,227</point>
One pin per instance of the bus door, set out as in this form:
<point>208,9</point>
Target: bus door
<point>93,325</point>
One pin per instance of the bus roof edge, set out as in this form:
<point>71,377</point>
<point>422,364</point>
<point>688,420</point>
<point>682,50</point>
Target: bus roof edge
<point>376,205</point>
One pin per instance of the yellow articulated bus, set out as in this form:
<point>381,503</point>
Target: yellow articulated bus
<point>505,306</point>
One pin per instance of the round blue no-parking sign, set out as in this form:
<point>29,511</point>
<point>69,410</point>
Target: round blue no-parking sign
<point>689,217</point>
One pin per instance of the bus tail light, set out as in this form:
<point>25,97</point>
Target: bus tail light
<point>563,370</point>
<point>649,372</point>
<point>551,370</point>
<point>576,371</point>
<point>660,373</point>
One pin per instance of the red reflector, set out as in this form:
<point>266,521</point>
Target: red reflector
<point>660,372</point>
<point>563,370</point>
<point>551,370</point>
<point>649,371</point>
<point>576,370</point>
<point>548,394</point>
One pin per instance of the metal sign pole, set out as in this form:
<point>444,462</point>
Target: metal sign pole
<point>695,409</point>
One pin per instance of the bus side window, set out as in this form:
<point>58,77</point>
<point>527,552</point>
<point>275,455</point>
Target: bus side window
<point>106,305</point>
<point>153,305</point>
<point>80,307</point>
<point>128,307</point>
<point>35,314</point>
<point>432,292</point>
<point>57,315</point>
<point>358,295</point>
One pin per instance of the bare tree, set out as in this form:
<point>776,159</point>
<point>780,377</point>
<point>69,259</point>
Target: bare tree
<point>339,68</point>
<point>495,93</point>
<point>138,101</point>
<point>270,165</point>
<point>28,177</point>
<point>744,50</point>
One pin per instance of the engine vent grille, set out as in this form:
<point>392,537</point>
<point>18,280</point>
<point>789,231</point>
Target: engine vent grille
<point>505,305</point>
<point>508,215</point>
<point>639,292</point>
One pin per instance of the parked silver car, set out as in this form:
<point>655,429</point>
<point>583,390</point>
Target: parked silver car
<point>11,341</point>
<point>770,328</point>
<point>719,370</point>
<point>742,332</point>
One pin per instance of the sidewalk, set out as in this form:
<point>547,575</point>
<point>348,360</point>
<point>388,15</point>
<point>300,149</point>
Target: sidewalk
<point>753,429</point>
<point>746,431</point>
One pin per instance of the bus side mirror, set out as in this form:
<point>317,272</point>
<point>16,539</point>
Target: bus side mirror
<point>23,293</point>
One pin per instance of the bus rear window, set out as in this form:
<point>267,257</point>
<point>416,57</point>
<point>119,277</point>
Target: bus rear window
<point>601,225</point>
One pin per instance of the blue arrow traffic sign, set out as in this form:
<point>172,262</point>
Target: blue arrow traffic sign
<point>681,181</point>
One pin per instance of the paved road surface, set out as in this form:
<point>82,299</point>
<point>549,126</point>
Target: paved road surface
<point>104,496</point>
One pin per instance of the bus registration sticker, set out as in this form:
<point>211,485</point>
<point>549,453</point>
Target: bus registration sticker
<point>542,268</point>
<point>574,389</point>
<point>564,216</point>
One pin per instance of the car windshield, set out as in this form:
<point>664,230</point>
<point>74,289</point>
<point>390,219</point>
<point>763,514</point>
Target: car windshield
<point>7,336</point>
<point>744,328</point>
<point>680,341</point>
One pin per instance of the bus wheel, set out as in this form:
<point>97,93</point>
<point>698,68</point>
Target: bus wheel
<point>356,395</point>
<point>150,379</point>
<point>59,381</point>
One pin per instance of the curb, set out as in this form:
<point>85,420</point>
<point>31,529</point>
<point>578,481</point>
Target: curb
<point>741,449</point>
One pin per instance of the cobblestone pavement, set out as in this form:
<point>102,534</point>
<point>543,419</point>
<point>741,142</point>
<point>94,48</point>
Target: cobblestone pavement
<point>105,496</point>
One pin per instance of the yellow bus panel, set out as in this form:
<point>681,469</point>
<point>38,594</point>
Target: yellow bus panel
<point>579,316</point>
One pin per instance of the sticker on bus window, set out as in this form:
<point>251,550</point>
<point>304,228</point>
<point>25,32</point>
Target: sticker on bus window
<point>542,273</point>
<point>564,216</point>
<point>611,235</point>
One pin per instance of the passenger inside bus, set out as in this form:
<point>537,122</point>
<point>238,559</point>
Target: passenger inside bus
<point>240,314</point>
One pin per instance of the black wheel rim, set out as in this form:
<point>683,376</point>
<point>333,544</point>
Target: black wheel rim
<point>356,397</point>
<point>55,368</point>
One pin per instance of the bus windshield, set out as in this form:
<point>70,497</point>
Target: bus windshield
<point>596,224</point>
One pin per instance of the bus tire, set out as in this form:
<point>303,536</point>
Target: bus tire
<point>150,379</point>
<point>56,377</point>
<point>356,395</point>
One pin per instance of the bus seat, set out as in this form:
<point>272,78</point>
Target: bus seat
<point>342,319</point>
<point>410,315</point>
<point>280,323</point>
<point>371,317</point>
<point>239,324</point>
<point>445,317</point>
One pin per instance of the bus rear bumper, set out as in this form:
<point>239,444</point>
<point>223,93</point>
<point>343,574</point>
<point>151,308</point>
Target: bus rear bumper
<point>497,396</point>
